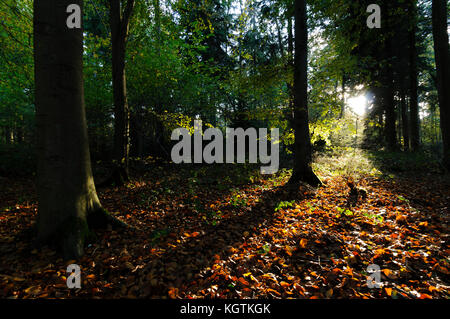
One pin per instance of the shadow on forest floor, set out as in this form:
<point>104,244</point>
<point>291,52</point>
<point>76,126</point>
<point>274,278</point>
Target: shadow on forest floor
<point>226,231</point>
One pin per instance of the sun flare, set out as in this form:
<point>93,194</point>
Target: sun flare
<point>358,104</point>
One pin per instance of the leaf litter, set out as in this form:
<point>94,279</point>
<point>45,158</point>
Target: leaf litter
<point>213,236</point>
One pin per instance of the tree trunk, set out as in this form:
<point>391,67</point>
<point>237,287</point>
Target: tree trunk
<point>19,132</point>
<point>405,123</point>
<point>280,39</point>
<point>302,171</point>
<point>290,60</point>
<point>8,135</point>
<point>413,99</point>
<point>442,57</point>
<point>157,7</point>
<point>119,33</point>
<point>390,134</point>
<point>342,113</point>
<point>66,191</point>
<point>388,101</point>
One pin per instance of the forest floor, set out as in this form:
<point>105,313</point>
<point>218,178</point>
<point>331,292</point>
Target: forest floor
<point>228,232</point>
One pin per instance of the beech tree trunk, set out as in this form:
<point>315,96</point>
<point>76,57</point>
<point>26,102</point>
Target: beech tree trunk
<point>405,123</point>
<point>302,171</point>
<point>413,97</point>
<point>66,190</point>
<point>390,132</point>
<point>119,34</point>
<point>388,99</point>
<point>290,60</point>
<point>442,57</point>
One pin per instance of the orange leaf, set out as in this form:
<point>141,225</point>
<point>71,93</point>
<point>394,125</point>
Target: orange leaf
<point>389,273</point>
<point>288,250</point>
<point>274,291</point>
<point>401,219</point>
<point>243,281</point>
<point>173,292</point>
<point>432,288</point>
<point>303,242</point>
<point>388,291</point>
<point>443,270</point>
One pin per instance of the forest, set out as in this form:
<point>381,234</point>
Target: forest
<point>224,149</point>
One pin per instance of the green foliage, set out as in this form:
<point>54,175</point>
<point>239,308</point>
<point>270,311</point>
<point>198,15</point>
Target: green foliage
<point>284,204</point>
<point>16,68</point>
<point>400,162</point>
<point>345,161</point>
<point>237,200</point>
<point>375,217</point>
<point>343,211</point>
<point>228,64</point>
<point>265,249</point>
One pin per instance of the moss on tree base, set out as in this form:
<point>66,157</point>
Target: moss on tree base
<point>72,235</point>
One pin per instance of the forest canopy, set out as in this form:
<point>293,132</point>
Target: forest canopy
<point>229,64</point>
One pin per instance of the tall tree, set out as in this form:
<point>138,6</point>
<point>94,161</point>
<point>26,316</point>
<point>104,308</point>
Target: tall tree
<point>302,171</point>
<point>442,57</point>
<point>120,21</point>
<point>413,98</point>
<point>68,202</point>
<point>388,76</point>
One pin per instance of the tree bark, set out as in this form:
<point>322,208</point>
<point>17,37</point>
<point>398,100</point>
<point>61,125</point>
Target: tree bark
<point>8,135</point>
<point>405,122</point>
<point>413,96</point>
<point>302,171</point>
<point>290,60</point>
<point>119,34</point>
<point>388,101</point>
<point>389,107</point>
<point>442,57</point>
<point>66,190</point>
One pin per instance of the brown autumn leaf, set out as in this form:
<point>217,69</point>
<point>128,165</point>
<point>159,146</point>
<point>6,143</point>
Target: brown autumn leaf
<point>243,281</point>
<point>303,243</point>
<point>389,274</point>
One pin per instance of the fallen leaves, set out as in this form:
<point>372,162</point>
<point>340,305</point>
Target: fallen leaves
<point>303,243</point>
<point>243,281</point>
<point>218,245</point>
